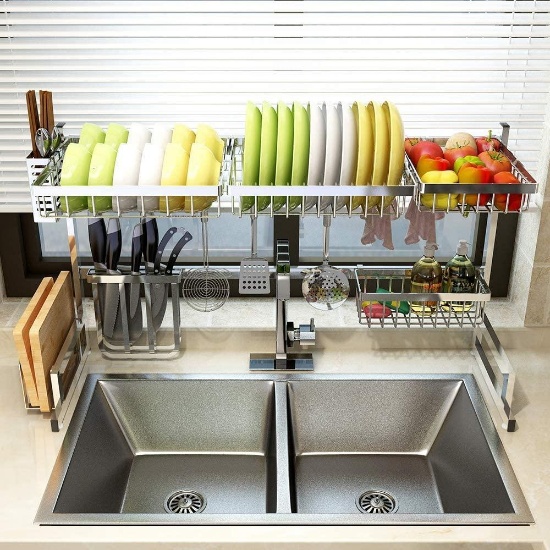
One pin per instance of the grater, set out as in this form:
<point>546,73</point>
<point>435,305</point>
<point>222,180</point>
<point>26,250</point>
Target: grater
<point>254,272</point>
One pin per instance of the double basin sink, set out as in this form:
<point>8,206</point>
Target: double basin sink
<point>282,449</point>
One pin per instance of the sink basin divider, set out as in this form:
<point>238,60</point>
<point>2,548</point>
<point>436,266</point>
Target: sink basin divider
<point>283,451</point>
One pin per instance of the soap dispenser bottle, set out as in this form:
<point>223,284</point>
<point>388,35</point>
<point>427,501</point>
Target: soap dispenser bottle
<point>459,276</point>
<point>426,277</point>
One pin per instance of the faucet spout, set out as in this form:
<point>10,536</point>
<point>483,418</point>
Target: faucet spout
<point>286,335</point>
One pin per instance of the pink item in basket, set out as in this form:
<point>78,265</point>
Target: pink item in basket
<point>422,224</point>
<point>377,227</point>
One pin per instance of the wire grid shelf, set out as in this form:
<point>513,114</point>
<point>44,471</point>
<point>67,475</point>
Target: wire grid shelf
<point>48,195</point>
<point>433,310</point>
<point>313,200</point>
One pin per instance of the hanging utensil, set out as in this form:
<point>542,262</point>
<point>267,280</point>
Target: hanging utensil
<point>254,272</point>
<point>43,141</point>
<point>325,287</point>
<point>206,289</point>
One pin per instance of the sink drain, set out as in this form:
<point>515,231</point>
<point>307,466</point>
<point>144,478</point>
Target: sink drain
<point>376,502</point>
<point>185,502</point>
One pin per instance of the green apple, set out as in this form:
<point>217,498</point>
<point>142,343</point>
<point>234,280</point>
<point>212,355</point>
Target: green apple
<point>74,171</point>
<point>102,168</point>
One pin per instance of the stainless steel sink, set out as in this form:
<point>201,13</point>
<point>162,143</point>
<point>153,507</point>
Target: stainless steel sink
<point>282,449</point>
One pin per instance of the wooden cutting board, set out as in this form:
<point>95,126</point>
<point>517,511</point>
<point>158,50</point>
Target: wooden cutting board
<point>22,340</point>
<point>48,333</point>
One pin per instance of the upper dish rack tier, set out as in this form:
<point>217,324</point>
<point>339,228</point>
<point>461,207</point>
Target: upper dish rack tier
<point>231,196</point>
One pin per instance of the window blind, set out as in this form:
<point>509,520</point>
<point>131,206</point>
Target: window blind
<point>447,65</point>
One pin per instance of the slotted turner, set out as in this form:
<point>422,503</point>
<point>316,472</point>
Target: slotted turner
<point>254,273</point>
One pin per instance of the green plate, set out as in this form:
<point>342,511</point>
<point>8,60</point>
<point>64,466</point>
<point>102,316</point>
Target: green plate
<point>300,152</point>
<point>251,154</point>
<point>285,141</point>
<point>268,151</point>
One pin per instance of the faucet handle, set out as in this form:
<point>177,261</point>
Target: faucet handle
<point>305,334</point>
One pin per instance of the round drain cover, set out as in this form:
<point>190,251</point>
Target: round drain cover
<point>185,502</point>
<point>376,502</point>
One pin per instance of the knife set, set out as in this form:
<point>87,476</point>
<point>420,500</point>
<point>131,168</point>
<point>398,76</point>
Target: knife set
<point>122,325</point>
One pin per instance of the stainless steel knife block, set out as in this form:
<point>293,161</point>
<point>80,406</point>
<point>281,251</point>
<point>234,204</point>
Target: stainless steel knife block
<point>151,338</point>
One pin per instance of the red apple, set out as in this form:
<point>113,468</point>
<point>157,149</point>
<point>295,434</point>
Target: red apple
<point>410,143</point>
<point>425,147</point>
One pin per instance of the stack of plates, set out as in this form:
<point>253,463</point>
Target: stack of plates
<point>323,145</point>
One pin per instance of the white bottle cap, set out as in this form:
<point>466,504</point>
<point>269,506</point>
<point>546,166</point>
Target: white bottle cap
<point>429,250</point>
<point>462,248</point>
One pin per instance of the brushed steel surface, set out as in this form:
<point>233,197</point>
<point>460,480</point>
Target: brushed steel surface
<point>282,448</point>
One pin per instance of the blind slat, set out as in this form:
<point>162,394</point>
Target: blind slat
<point>448,65</point>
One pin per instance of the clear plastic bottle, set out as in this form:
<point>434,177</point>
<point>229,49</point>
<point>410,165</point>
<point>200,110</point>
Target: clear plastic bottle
<point>426,277</point>
<point>459,276</point>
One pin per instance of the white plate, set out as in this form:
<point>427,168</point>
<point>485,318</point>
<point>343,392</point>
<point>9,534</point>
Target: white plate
<point>317,148</point>
<point>349,152</point>
<point>333,151</point>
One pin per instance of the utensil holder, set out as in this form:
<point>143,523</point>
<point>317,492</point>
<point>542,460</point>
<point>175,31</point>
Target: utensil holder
<point>154,341</point>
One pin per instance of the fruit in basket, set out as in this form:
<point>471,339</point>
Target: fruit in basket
<point>410,143</point>
<point>487,143</point>
<point>473,173</point>
<point>496,161</point>
<point>461,139</point>
<point>460,151</point>
<point>424,147</point>
<point>514,202</point>
<point>428,163</point>
<point>440,201</point>
<point>470,159</point>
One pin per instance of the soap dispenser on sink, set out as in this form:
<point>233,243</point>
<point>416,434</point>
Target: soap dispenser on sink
<point>286,334</point>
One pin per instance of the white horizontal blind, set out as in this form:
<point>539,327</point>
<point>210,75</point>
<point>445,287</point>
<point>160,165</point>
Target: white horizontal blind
<point>448,65</point>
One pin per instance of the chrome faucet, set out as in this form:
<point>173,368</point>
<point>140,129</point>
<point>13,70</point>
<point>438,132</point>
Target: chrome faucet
<point>286,334</point>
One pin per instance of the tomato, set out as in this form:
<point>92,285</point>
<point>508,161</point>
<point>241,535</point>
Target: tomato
<point>495,161</point>
<point>458,152</point>
<point>425,147</point>
<point>487,143</point>
<point>514,202</point>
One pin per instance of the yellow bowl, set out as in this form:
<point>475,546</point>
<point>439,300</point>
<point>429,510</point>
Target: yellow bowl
<point>204,170</point>
<point>206,135</point>
<point>174,173</point>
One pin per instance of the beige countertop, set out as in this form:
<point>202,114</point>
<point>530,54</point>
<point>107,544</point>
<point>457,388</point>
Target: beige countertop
<point>28,448</point>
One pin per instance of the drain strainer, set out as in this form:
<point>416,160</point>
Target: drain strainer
<point>185,502</point>
<point>377,502</point>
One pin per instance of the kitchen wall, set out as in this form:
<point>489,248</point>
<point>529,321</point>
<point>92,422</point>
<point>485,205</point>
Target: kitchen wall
<point>530,282</point>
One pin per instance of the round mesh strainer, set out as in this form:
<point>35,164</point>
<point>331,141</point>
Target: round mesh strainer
<point>206,289</point>
<point>325,287</point>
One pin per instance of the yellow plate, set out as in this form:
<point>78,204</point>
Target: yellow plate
<point>206,135</point>
<point>381,144</point>
<point>174,173</point>
<point>365,156</point>
<point>397,146</point>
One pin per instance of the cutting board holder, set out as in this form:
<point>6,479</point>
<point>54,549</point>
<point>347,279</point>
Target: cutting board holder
<point>164,343</point>
<point>65,375</point>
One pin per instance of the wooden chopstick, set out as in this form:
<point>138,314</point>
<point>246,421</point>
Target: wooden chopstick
<point>34,121</point>
<point>49,112</point>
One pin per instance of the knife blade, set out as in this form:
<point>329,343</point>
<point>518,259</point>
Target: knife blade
<point>162,300</point>
<point>132,290</point>
<point>112,294</point>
